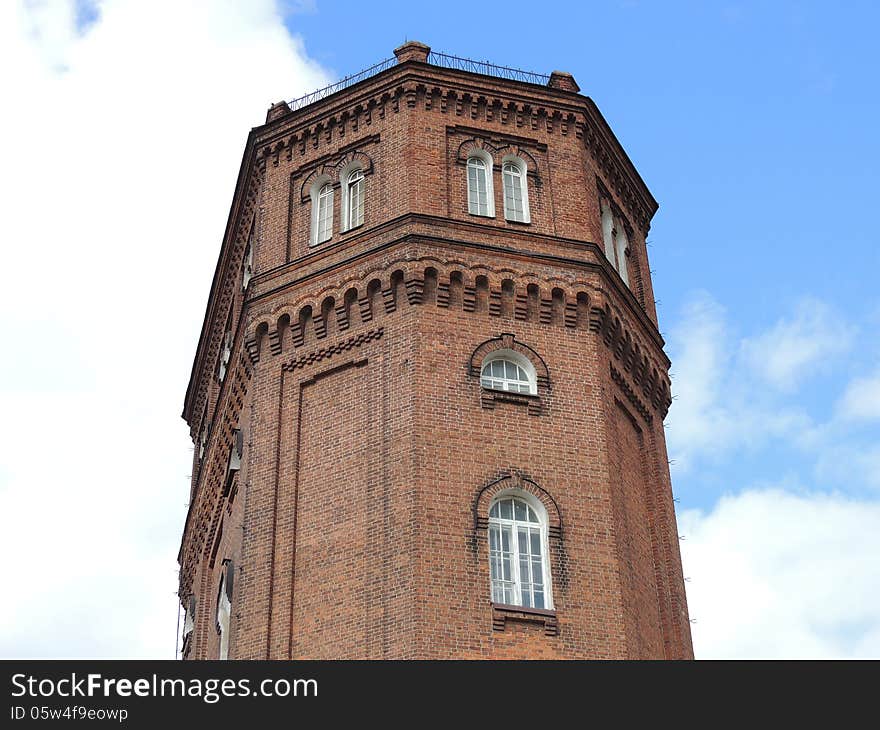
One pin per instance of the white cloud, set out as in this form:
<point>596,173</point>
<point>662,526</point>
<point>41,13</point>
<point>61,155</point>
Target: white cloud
<point>124,140</point>
<point>798,346</point>
<point>861,399</point>
<point>775,574</point>
<point>716,409</point>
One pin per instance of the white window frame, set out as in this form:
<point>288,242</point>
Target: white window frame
<point>350,177</point>
<point>513,524</point>
<point>615,241</point>
<point>521,179</point>
<point>247,272</point>
<point>517,359</point>
<point>225,354</point>
<point>224,615</point>
<point>621,245</point>
<point>486,159</point>
<point>608,232</point>
<point>321,194</point>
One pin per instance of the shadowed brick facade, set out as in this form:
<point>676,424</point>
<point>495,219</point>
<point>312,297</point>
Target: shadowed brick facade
<point>346,454</point>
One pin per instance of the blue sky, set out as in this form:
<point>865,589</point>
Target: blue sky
<point>752,123</point>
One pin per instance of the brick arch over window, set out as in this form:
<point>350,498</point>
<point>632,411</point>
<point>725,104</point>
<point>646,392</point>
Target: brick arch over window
<point>352,159</point>
<point>507,341</point>
<point>535,403</point>
<point>325,174</point>
<point>517,481</point>
<point>517,151</point>
<point>331,171</point>
<point>469,145</point>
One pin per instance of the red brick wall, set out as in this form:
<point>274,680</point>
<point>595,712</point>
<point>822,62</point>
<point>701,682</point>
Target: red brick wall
<point>356,531</point>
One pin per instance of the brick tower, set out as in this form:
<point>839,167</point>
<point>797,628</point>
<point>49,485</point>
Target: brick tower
<point>428,397</point>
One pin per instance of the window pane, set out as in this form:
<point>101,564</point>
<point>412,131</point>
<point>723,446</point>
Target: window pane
<point>505,567</point>
<point>532,516</point>
<point>523,539</point>
<point>537,572</point>
<point>519,509</point>
<point>493,512</point>
<point>524,573</point>
<point>506,509</point>
<point>538,600</point>
<point>505,536</point>
<point>536,542</point>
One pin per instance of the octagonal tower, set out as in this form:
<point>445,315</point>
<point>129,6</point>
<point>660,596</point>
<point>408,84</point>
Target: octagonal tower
<point>428,397</point>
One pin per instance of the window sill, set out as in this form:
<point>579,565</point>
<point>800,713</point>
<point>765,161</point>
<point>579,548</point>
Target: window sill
<point>503,612</point>
<point>352,229</point>
<point>518,223</point>
<point>489,396</point>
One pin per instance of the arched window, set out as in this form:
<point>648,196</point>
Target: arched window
<point>616,243</point>
<point>322,213</point>
<point>479,181</point>
<point>518,565</point>
<point>621,245</point>
<point>508,370</point>
<point>224,605</point>
<point>516,194</point>
<point>353,200</point>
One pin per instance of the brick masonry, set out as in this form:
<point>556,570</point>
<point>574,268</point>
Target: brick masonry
<point>356,525</point>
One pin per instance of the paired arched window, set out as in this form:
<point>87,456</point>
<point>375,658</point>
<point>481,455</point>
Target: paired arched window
<point>481,195</point>
<point>352,186</point>
<point>510,371</point>
<point>516,193</point>
<point>518,556</point>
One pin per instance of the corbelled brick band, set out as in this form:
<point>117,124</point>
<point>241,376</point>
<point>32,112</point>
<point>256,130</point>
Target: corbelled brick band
<point>347,454</point>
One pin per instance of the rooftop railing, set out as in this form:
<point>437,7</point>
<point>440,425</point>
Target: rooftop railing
<point>435,58</point>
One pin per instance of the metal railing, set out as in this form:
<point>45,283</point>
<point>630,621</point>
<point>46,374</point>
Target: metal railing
<point>341,84</point>
<point>435,58</point>
<point>487,69</point>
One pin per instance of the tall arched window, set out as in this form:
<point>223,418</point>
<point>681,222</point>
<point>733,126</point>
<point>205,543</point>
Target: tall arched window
<point>353,200</point>
<point>322,213</point>
<point>518,564</point>
<point>616,243</point>
<point>224,612</point>
<point>621,245</point>
<point>510,371</point>
<point>479,181</point>
<point>516,194</point>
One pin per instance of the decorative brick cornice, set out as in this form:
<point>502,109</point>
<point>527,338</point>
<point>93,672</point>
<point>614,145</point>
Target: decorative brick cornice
<point>335,349</point>
<point>646,375</point>
<point>634,400</point>
<point>210,491</point>
<point>570,303</point>
<point>463,95</point>
<point>226,283</point>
